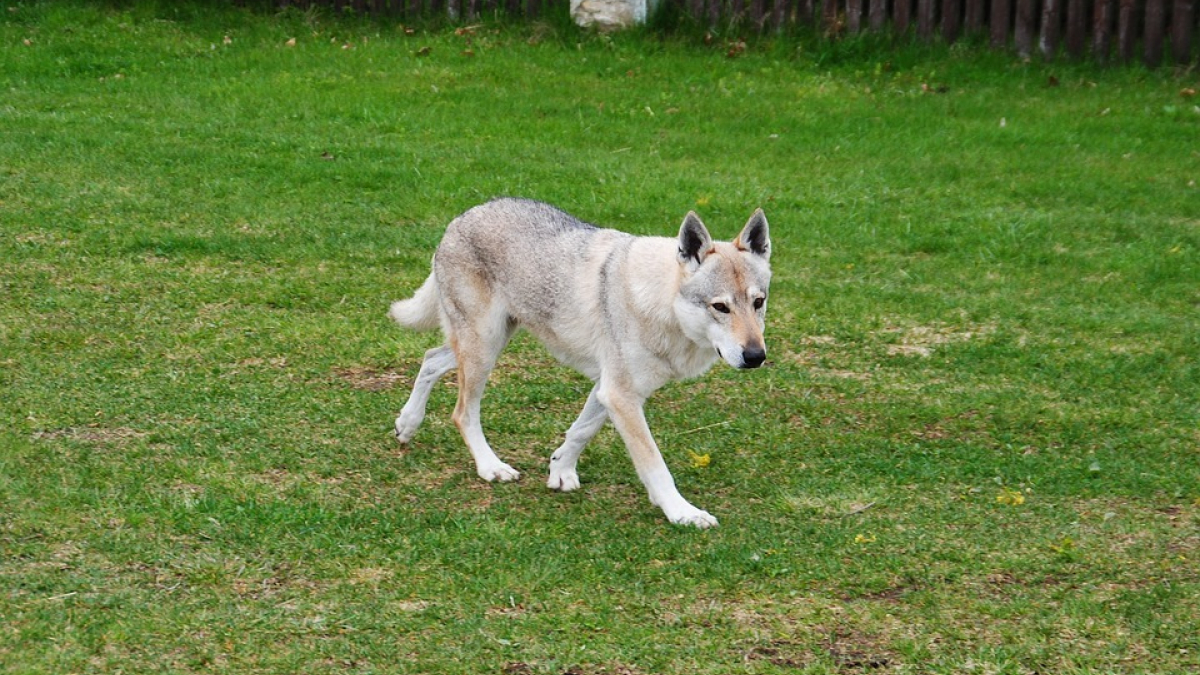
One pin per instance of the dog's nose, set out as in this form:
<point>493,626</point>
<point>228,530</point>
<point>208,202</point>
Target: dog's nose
<point>753,357</point>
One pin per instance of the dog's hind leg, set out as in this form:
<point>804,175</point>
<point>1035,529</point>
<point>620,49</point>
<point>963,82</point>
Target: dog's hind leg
<point>476,355</point>
<point>438,361</point>
<point>563,475</point>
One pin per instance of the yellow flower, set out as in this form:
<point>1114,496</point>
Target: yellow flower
<point>864,538</point>
<point>1010,497</point>
<point>700,461</point>
<point>1064,547</point>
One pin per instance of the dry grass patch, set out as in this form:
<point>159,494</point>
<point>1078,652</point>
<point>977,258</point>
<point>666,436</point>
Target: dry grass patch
<point>370,379</point>
<point>92,434</point>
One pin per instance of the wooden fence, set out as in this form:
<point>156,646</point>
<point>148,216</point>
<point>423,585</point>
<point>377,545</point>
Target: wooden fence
<point>1152,31</point>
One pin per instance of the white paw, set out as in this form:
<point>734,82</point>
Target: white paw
<point>563,481</point>
<point>406,429</point>
<point>693,517</point>
<point>499,473</point>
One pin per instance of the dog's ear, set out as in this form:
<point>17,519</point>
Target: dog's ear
<point>755,237</point>
<point>694,241</point>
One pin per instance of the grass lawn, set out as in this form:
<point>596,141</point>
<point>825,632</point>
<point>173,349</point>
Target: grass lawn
<point>975,447</point>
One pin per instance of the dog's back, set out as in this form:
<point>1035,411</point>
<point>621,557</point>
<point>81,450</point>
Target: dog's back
<point>524,249</point>
<point>532,253</point>
<point>550,272</point>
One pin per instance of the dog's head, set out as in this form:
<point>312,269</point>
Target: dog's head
<point>723,298</point>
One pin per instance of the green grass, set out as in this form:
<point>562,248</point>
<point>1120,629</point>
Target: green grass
<point>975,448</point>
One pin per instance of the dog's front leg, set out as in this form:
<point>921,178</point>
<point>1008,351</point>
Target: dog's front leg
<point>626,412</point>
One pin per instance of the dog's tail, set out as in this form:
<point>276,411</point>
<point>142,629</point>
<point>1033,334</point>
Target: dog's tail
<point>420,312</point>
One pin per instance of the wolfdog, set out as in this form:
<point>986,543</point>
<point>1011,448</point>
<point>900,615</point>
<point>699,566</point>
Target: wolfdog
<point>631,313</point>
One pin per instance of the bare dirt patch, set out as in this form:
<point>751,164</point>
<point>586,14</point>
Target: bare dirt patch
<point>923,340</point>
<point>855,652</point>
<point>369,379</point>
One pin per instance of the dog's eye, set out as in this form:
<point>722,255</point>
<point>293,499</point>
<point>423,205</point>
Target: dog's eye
<point>758,303</point>
<point>721,307</point>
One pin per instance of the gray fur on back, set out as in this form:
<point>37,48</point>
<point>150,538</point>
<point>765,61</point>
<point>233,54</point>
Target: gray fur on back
<point>532,249</point>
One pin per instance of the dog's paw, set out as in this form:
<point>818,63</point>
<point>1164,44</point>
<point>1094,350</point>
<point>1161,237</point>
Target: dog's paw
<point>563,481</point>
<point>693,517</point>
<point>499,473</point>
<point>406,429</point>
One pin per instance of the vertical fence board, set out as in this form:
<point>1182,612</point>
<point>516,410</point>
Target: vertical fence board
<point>1102,24</point>
<point>903,15</point>
<point>1126,29</point>
<point>1023,29</point>
<point>925,19</point>
<point>737,10</point>
<point>1156,21</point>
<point>756,14</point>
<point>951,19</point>
<point>778,14</point>
<point>854,12</point>
<point>829,16</point>
<point>808,10</point>
<point>1183,21</point>
<point>1051,22</point>
<point>973,18</point>
<point>877,15</point>
<point>1076,27</point>
<point>998,23</point>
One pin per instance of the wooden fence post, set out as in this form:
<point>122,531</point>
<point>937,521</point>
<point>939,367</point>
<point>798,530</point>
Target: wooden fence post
<point>902,15</point>
<point>779,14</point>
<point>973,16</point>
<point>998,23</point>
<point>806,11</point>
<point>1183,21</point>
<point>829,16</point>
<point>951,20</point>
<point>1051,18</point>
<point>1076,27</point>
<point>1023,30</point>
<point>877,16</point>
<point>1126,36</point>
<point>925,10</point>
<point>1156,21</point>
<point>1102,22</point>
<point>757,14</point>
